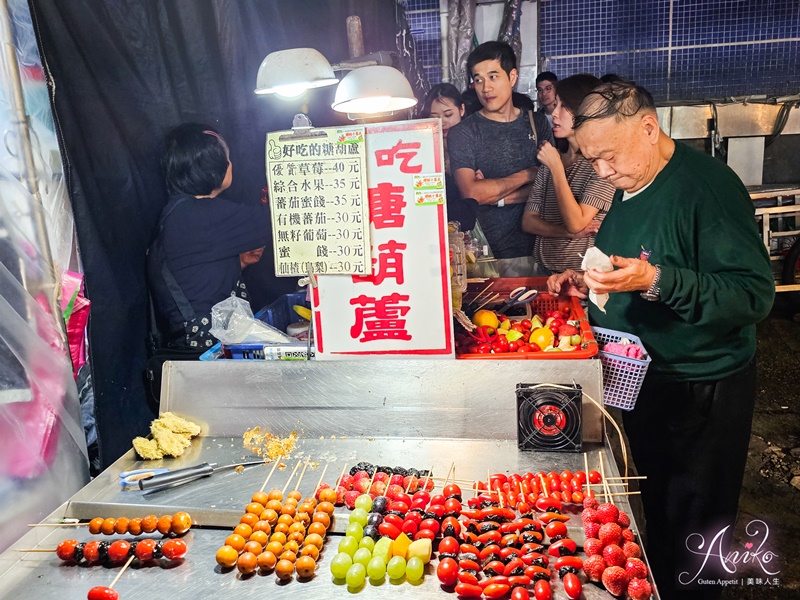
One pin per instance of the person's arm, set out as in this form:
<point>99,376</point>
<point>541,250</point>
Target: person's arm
<point>576,214</point>
<point>489,191</point>
<point>733,281</point>
<point>239,227</point>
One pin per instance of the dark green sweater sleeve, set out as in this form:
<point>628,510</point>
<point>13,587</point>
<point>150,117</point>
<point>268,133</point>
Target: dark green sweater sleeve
<point>733,279</point>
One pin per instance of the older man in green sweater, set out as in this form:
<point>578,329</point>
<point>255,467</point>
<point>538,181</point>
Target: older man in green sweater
<point>691,279</point>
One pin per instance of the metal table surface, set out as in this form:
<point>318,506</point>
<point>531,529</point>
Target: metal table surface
<point>385,412</point>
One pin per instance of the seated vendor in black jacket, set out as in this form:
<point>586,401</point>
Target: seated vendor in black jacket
<point>194,262</point>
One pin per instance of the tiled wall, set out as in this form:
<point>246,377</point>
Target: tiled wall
<point>678,49</point>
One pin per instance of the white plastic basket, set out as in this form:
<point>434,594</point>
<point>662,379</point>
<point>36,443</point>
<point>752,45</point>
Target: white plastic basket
<point>622,376</point>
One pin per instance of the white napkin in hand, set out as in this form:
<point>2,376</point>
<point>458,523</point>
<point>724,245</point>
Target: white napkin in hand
<point>595,259</point>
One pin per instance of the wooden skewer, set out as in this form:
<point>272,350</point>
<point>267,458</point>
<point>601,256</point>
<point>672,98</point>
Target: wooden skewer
<point>544,487</point>
<point>500,497</point>
<point>303,472</point>
<point>603,473</point>
<point>427,478</point>
<point>297,466</point>
<point>58,524</point>
<point>37,550</point>
<point>271,471</point>
<point>339,481</point>
<point>586,467</point>
<point>491,299</point>
<point>122,570</point>
<point>481,293</point>
<point>372,480</point>
<point>319,483</point>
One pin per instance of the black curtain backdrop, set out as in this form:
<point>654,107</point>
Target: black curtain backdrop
<point>121,73</point>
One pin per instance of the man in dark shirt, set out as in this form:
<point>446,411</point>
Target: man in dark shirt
<point>493,156</point>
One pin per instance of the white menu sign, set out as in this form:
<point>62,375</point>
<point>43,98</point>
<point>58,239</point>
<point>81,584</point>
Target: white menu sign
<point>318,201</point>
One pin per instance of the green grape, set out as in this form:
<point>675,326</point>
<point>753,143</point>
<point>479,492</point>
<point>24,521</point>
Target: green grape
<point>359,515</point>
<point>376,568</point>
<point>340,564</point>
<point>348,545</point>
<point>355,531</point>
<point>368,543</point>
<point>356,575</point>
<point>396,567</point>
<point>362,556</point>
<point>381,553</point>
<point>364,501</point>
<point>415,568</point>
<point>384,544</point>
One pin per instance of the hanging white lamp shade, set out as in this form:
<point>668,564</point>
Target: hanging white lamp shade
<point>373,90</point>
<point>289,73</point>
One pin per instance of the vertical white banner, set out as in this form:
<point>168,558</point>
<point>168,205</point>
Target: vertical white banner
<point>404,306</point>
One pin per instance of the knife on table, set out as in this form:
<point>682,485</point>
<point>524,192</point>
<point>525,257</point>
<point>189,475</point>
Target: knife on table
<point>181,476</point>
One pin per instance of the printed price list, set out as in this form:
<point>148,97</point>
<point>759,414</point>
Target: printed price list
<point>319,202</point>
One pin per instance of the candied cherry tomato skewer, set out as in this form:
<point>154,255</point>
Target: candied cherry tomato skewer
<point>108,593</point>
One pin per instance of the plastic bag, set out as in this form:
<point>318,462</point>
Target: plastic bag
<point>232,322</point>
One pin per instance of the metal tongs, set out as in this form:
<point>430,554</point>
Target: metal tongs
<point>178,477</point>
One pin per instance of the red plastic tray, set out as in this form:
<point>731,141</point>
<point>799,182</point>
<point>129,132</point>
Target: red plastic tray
<point>543,303</point>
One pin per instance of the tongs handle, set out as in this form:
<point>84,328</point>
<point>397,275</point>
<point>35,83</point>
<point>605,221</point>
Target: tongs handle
<point>176,477</point>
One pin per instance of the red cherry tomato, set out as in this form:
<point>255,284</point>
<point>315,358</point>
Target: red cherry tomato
<point>91,552</point>
<point>447,571</point>
<point>485,349</point>
<point>173,549</point>
<point>577,497</point>
<point>595,477</point>
<point>580,475</point>
<point>424,533</point>
<point>572,586</point>
<point>449,545</point>
<point>118,551</point>
<point>555,528</point>
<point>517,327</point>
<point>566,475</point>
<point>526,324</point>
<point>500,348</point>
<point>519,593</point>
<point>66,549</point>
<point>496,590</point>
<point>467,577</point>
<point>468,590</point>
<point>513,346</point>
<point>102,592</point>
<point>389,530</point>
<point>410,527</point>
<point>542,591</point>
<point>525,348</point>
<point>145,549</point>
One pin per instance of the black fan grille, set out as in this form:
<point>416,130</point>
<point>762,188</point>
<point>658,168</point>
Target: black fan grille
<point>549,418</point>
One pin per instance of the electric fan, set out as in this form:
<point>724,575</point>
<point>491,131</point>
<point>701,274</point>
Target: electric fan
<point>549,418</point>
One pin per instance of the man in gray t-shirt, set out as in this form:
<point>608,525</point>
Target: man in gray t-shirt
<point>493,153</point>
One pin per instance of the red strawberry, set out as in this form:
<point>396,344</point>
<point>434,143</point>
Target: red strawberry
<point>594,567</point>
<point>610,533</point>
<point>607,513</point>
<point>410,484</point>
<point>340,493</point>
<point>636,568</point>
<point>591,530</point>
<point>360,475</point>
<point>639,589</point>
<point>381,476</point>
<point>346,482</point>
<point>592,546</point>
<point>590,502</point>
<point>615,579</point>
<point>631,550</point>
<point>393,490</point>
<point>623,520</point>
<point>627,535</point>
<point>396,480</point>
<point>350,498</point>
<point>378,488</point>
<point>613,555</point>
<point>589,515</point>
